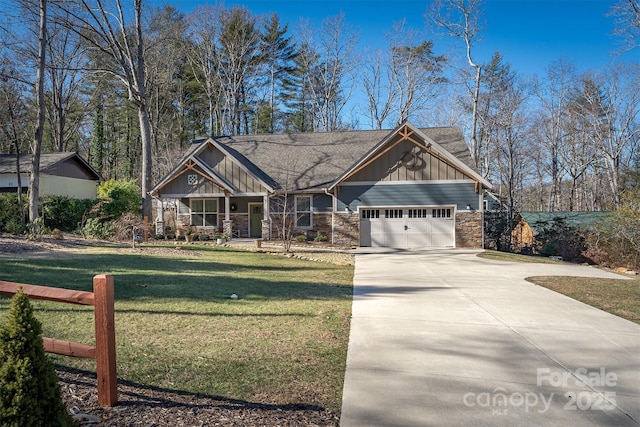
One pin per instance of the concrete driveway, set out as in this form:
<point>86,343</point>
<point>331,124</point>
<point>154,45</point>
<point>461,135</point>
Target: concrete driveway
<point>444,338</point>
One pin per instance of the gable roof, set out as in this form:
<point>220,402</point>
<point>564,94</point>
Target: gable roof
<point>50,164</point>
<point>198,147</point>
<point>314,161</point>
<point>318,161</point>
<point>456,153</point>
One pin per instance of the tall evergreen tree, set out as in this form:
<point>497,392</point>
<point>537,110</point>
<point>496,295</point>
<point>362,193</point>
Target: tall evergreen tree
<point>278,54</point>
<point>297,94</point>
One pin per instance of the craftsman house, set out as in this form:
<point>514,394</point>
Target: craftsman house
<point>61,174</point>
<point>408,187</point>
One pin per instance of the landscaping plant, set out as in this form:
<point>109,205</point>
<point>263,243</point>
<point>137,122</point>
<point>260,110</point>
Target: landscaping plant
<point>29,390</point>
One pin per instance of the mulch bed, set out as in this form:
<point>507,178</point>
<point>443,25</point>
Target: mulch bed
<point>140,405</point>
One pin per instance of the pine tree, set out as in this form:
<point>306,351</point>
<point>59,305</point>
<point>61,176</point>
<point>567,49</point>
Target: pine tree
<point>29,390</point>
<point>278,54</point>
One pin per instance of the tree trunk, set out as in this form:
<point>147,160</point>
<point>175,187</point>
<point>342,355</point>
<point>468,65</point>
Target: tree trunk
<point>474,116</point>
<point>145,139</point>
<point>34,178</point>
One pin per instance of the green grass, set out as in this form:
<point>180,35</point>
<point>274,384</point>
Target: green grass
<point>616,296</point>
<point>283,341</point>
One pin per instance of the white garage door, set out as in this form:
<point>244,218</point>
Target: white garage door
<point>407,227</point>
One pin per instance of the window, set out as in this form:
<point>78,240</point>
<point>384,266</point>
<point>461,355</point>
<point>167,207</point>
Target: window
<point>441,213</point>
<point>417,213</point>
<point>370,213</point>
<point>393,213</point>
<point>303,211</point>
<point>204,212</point>
<point>183,208</point>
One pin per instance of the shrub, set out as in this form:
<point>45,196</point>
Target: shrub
<point>119,196</point>
<point>95,228</point>
<point>36,229</point>
<point>57,234</point>
<point>14,226</point>
<point>615,240</point>
<point>29,390</point>
<point>126,226</point>
<point>301,238</point>
<point>320,238</point>
<point>10,213</point>
<point>64,213</point>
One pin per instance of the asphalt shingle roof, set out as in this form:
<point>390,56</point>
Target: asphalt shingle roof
<point>309,161</point>
<point>48,163</point>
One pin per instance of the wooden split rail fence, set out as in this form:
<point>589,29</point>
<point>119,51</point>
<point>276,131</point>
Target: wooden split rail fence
<point>104,352</point>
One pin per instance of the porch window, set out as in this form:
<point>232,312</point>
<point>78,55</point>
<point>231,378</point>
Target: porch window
<point>204,212</point>
<point>183,208</point>
<point>303,211</point>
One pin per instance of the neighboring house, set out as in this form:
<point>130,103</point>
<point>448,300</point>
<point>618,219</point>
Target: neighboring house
<point>61,174</point>
<point>533,230</point>
<point>408,187</point>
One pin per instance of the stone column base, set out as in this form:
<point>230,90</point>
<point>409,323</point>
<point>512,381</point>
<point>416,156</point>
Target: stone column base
<point>227,229</point>
<point>266,229</point>
<point>160,227</point>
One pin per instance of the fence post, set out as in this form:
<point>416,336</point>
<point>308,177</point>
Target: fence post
<point>105,340</point>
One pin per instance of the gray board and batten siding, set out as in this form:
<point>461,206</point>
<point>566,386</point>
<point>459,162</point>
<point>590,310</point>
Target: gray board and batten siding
<point>405,161</point>
<point>460,194</point>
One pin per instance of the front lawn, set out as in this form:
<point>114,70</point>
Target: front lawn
<point>283,341</point>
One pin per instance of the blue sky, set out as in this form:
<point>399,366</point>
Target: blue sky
<point>529,33</point>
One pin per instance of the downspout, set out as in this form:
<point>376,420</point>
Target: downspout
<point>481,205</point>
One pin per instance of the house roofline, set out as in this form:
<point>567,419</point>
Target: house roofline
<point>428,143</point>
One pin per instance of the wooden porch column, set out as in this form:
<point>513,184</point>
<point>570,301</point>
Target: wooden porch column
<point>227,206</point>
<point>265,207</point>
<point>160,209</point>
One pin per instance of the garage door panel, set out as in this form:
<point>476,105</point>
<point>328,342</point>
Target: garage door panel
<point>442,232</point>
<point>417,233</point>
<point>395,235</point>
<point>402,228</point>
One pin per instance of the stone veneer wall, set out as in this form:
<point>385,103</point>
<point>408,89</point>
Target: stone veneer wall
<point>322,225</point>
<point>469,229</point>
<point>346,229</point>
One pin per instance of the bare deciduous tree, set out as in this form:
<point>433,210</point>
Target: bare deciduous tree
<point>333,46</point>
<point>379,89</point>
<point>460,18</point>
<point>627,14</point>
<point>121,44</point>
<point>204,31</point>
<point>34,178</point>
<point>65,71</point>
<point>554,96</point>
<point>616,120</point>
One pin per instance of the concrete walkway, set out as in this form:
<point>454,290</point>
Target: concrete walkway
<point>444,338</point>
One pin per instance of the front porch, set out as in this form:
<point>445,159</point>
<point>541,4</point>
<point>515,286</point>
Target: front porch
<point>231,217</point>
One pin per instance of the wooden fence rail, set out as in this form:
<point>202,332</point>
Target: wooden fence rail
<point>104,352</point>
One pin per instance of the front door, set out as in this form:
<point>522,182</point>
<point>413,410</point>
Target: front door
<point>256,214</point>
